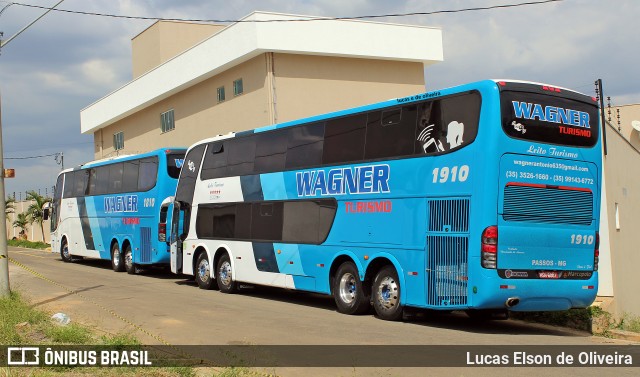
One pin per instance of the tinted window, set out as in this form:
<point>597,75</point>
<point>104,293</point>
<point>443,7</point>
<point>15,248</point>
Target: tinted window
<point>130,176</point>
<point>304,147</point>
<point>549,119</point>
<point>391,133</point>
<point>68,185</point>
<point>148,173</point>
<point>115,178</point>
<point>240,156</point>
<point>344,139</point>
<point>102,180</point>
<point>80,182</point>
<point>187,182</point>
<point>448,123</point>
<point>174,164</point>
<point>271,149</point>
<point>298,221</point>
<point>215,161</point>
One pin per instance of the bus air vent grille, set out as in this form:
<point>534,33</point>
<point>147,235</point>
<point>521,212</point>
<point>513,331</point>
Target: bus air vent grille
<point>547,205</point>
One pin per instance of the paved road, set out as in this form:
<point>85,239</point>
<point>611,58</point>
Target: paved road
<point>162,308</point>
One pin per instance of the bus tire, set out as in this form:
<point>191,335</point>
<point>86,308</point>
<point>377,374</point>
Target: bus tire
<point>202,272</point>
<point>386,294</point>
<point>224,275</point>
<point>64,252</point>
<point>131,267</point>
<point>117,263</point>
<point>348,291</point>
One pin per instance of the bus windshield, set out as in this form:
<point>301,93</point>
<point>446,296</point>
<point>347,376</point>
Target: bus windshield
<point>549,119</point>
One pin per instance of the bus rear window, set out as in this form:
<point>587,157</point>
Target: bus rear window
<point>174,163</point>
<point>549,119</point>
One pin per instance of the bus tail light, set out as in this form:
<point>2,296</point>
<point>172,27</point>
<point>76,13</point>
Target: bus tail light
<point>489,247</point>
<point>596,252</point>
<point>162,232</point>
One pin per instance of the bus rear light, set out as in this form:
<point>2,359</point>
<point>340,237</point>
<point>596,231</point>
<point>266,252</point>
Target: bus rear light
<point>489,247</point>
<point>162,232</point>
<point>551,89</point>
<point>596,252</point>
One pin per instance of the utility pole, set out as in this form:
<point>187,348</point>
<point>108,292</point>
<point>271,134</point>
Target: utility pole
<point>5,289</point>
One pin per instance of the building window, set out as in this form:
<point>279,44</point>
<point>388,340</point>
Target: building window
<point>118,140</point>
<point>221,96</point>
<point>237,87</point>
<point>167,121</point>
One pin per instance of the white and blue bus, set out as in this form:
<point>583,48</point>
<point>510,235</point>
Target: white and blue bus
<point>110,209</point>
<point>483,197</point>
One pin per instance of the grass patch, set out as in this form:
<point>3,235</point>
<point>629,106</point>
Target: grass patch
<point>28,244</point>
<point>629,323</point>
<point>581,319</point>
<point>23,325</point>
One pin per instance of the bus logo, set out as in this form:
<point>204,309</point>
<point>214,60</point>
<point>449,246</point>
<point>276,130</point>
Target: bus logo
<point>552,114</point>
<point>121,203</point>
<point>369,179</point>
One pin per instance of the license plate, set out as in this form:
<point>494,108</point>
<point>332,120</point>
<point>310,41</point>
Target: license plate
<point>548,274</point>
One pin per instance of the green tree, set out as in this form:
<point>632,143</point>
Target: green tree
<point>10,205</point>
<point>21,221</point>
<point>35,211</point>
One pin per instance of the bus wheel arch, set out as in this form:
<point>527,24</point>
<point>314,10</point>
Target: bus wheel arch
<point>386,288</point>
<point>351,294</point>
<point>202,270</point>
<point>224,275</point>
<point>117,262</point>
<point>64,250</point>
<point>127,257</point>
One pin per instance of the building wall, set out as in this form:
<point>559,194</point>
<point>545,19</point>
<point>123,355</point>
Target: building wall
<point>165,39</point>
<point>277,88</point>
<point>310,85</point>
<point>622,190</point>
<point>196,111</point>
<point>628,113</point>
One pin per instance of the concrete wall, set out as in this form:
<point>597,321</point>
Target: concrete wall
<point>33,230</point>
<point>165,39</point>
<point>621,167</point>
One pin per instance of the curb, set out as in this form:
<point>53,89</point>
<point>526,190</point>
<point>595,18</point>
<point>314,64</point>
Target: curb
<point>626,335</point>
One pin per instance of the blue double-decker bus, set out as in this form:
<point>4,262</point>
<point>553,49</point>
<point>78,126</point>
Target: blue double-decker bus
<point>110,209</point>
<point>483,197</point>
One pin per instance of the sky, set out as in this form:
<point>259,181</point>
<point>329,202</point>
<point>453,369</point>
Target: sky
<point>66,61</point>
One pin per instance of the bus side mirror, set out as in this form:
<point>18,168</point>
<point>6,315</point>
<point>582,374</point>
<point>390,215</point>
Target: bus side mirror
<point>45,214</point>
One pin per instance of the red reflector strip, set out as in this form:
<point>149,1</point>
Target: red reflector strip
<point>320,264</point>
<point>290,262</point>
<point>588,287</point>
<point>537,185</point>
<point>507,287</point>
<point>412,273</point>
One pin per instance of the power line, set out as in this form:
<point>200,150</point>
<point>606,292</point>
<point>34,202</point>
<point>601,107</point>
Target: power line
<point>298,20</point>
<point>30,157</point>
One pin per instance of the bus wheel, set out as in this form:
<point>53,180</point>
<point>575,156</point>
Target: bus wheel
<point>203,272</point>
<point>348,291</point>
<point>128,261</point>
<point>116,258</point>
<point>386,294</point>
<point>64,252</point>
<point>224,276</point>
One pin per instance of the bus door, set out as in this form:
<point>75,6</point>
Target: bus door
<point>179,224</point>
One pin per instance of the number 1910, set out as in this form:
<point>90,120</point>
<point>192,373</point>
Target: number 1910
<point>579,239</point>
<point>443,175</point>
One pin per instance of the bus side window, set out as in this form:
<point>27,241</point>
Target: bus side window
<point>148,173</point>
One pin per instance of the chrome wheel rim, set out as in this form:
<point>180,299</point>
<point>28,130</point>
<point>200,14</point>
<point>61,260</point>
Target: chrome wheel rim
<point>116,258</point>
<point>347,288</point>
<point>128,259</point>
<point>65,251</point>
<point>203,270</point>
<point>225,273</point>
<point>388,293</point>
